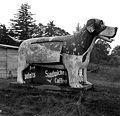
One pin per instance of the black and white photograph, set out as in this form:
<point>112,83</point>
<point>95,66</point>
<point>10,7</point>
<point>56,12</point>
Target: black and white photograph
<point>59,58</point>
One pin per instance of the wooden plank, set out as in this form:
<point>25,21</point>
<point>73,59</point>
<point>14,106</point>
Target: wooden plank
<point>55,66</point>
<point>12,52</point>
<point>2,71</point>
<point>2,52</point>
<point>53,88</point>
<point>8,46</point>
<point>3,75</point>
<point>12,61</point>
<point>8,61</point>
<point>2,64</point>
<point>2,59</point>
<point>62,88</point>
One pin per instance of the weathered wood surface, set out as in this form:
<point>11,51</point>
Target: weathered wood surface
<point>52,65</point>
<point>52,88</point>
<point>8,62</point>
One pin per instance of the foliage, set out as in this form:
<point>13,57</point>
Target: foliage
<point>52,30</point>
<point>39,30</point>
<point>78,27</point>
<point>4,36</point>
<point>114,60</point>
<point>100,52</point>
<point>48,30</point>
<point>23,24</point>
<point>3,33</point>
<point>115,56</point>
<point>23,27</point>
<point>116,51</point>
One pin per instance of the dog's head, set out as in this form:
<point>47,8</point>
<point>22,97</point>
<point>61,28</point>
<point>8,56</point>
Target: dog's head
<point>100,30</point>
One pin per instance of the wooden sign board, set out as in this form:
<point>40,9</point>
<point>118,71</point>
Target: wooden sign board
<point>46,75</point>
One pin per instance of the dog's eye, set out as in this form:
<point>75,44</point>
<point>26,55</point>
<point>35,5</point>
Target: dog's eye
<point>101,22</point>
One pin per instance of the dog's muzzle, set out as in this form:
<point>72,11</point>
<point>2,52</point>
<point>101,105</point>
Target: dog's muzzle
<point>108,33</point>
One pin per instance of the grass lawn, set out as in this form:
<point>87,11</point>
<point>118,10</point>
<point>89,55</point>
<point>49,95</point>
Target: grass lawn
<point>103,100</point>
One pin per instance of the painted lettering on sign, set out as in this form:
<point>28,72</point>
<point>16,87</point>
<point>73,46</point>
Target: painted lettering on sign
<point>54,73</point>
<point>49,80</point>
<point>60,80</point>
<point>30,75</point>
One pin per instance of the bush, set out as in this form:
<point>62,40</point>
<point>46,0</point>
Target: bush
<point>114,61</point>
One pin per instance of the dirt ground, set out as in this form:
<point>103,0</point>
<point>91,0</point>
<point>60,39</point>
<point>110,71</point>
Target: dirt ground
<point>102,100</point>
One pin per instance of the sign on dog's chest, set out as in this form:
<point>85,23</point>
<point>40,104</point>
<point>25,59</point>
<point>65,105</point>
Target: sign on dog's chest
<point>45,74</point>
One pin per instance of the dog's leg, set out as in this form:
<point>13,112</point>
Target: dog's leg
<point>80,75</point>
<point>21,66</point>
<point>85,77</point>
<point>74,78</point>
<point>72,69</point>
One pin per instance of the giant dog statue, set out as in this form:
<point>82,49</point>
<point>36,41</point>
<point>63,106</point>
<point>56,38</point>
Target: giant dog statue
<point>73,51</point>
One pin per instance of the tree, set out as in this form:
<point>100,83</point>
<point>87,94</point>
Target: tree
<point>23,24</point>
<point>3,34</point>
<point>78,28</point>
<point>39,30</point>
<point>116,51</point>
<point>60,32</point>
<point>115,56</point>
<point>52,30</point>
<point>100,52</point>
<point>4,37</point>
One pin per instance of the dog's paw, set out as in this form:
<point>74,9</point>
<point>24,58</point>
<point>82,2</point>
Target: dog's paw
<point>76,85</point>
<point>87,83</point>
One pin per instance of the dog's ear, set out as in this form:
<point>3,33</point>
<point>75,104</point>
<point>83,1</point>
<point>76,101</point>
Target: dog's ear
<point>91,25</point>
<point>91,28</point>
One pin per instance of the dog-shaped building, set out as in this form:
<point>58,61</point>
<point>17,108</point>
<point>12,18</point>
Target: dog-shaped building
<point>73,51</point>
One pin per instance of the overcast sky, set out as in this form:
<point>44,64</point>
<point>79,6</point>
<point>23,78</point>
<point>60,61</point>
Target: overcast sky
<point>66,13</point>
